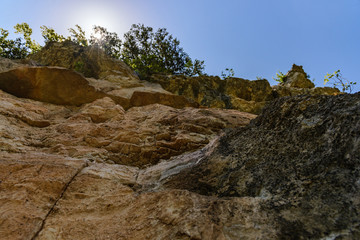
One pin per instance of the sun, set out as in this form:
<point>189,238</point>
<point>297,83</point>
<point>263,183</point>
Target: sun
<point>97,36</point>
<point>96,15</point>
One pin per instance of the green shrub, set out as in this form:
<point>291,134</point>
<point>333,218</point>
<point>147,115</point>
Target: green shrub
<point>337,80</point>
<point>229,72</point>
<point>280,77</point>
<point>17,49</point>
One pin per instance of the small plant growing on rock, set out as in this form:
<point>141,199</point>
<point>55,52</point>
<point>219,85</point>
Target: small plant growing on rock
<point>79,66</point>
<point>229,72</point>
<point>337,80</point>
<point>280,77</point>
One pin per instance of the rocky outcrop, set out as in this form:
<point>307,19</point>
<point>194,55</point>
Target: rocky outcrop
<point>284,91</point>
<point>296,83</point>
<point>237,93</point>
<point>7,64</point>
<point>297,78</point>
<point>209,91</point>
<point>90,61</point>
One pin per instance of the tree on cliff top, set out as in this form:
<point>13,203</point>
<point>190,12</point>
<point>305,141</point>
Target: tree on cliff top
<point>108,41</point>
<point>17,49</point>
<point>149,52</point>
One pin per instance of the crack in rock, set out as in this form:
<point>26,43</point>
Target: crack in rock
<point>57,200</point>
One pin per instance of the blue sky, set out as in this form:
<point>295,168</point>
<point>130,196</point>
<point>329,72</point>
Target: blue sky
<point>256,38</point>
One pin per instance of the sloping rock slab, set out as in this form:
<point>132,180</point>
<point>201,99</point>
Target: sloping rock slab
<point>301,155</point>
<point>101,204</point>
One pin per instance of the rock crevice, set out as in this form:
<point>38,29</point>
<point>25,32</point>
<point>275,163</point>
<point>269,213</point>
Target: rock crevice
<point>57,200</point>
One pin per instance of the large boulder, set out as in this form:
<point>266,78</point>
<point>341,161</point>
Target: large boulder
<point>49,84</point>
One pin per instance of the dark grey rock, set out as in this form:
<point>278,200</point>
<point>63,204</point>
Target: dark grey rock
<point>301,156</point>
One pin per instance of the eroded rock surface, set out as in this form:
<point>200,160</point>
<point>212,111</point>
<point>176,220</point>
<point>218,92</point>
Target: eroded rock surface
<point>30,186</point>
<point>103,131</point>
<point>291,174</point>
<point>50,152</point>
<point>237,93</point>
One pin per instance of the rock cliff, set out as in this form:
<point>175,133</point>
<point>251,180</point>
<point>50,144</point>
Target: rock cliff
<point>114,157</point>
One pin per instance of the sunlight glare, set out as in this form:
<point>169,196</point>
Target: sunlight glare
<point>97,36</point>
<point>93,14</point>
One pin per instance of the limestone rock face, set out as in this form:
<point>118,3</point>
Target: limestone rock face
<point>291,174</point>
<point>120,158</point>
<point>103,131</point>
<point>90,61</point>
<point>31,183</point>
<point>39,179</point>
